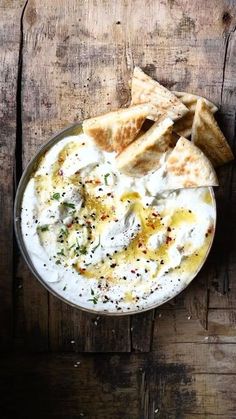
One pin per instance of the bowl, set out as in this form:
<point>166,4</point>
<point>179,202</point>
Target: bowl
<point>72,130</point>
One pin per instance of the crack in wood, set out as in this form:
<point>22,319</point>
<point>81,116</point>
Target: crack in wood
<point>18,162</point>
<point>144,392</point>
<point>152,328</point>
<point>224,62</point>
<point>18,148</point>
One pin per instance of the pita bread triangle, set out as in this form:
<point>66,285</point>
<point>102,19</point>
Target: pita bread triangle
<point>183,126</point>
<point>115,130</point>
<point>144,154</point>
<point>165,103</point>
<point>207,135</point>
<point>190,100</point>
<point>188,167</point>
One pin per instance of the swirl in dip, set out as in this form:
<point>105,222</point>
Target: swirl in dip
<point>108,242</point>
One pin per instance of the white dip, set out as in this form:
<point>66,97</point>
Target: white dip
<point>109,242</point>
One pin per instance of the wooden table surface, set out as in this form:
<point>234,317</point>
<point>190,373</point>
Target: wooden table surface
<point>62,61</point>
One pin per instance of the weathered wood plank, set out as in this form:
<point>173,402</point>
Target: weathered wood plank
<point>202,396</point>
<point>128,386</point>
<point>215,358</point>
<point>33,331</point>
<point>223,282</point>
<point>9,53</point>
<point>196,296</point>
<point>74,330</point>
<point>142,331</point>
<point>68,386</point>
<point>177,326</point>
<point>35,301</point>
<point>219,300</point>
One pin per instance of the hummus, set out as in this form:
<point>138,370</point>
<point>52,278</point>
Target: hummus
<point>110,242</point>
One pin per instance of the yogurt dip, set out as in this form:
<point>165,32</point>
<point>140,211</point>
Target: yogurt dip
<point>108,242</point>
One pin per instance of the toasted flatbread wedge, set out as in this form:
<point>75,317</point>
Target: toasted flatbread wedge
<point>183,126</point>
<point>188,167</point>
<point>207,135</point>
<point>166,104</point>
<point>115,130</point>
<point>144,154</point>
<point>190,100</point>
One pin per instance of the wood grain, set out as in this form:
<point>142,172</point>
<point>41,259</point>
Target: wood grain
<point>178,326</point>
<point>74,330</point>
<point>142,331</point>
<point>9,54</point>
<point>225,244</point>
<point>137,386</point>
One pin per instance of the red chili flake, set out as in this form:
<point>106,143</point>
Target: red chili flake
<point>150,224</point>
<point>168,239</point>
<point>97,181</point>
<point>140,245</point>
<point>60,172</point>
<point>104,216</point>
<point>154,214</point>
<point>168,229</point>
<point>144,251</point>
<point>132,271</point>
<point>88,222</point>
<point>109,194</point>
<point>69,225</point>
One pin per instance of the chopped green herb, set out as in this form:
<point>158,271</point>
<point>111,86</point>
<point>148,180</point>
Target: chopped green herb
<point>64,231</point>
<point>80,249</point>
<point>83,250</point>
<point>94,300</point>
<point>56,196</point>
<point>105,178</point>
<point>58,262</point>
<point>73,245</point>
<point>95,247</point>
<point>61,252</point>
<point>69,205</point>
<point>95,297</point>
<point>43,228</point>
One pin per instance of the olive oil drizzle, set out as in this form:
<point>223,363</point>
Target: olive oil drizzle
<point>96,215</point>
